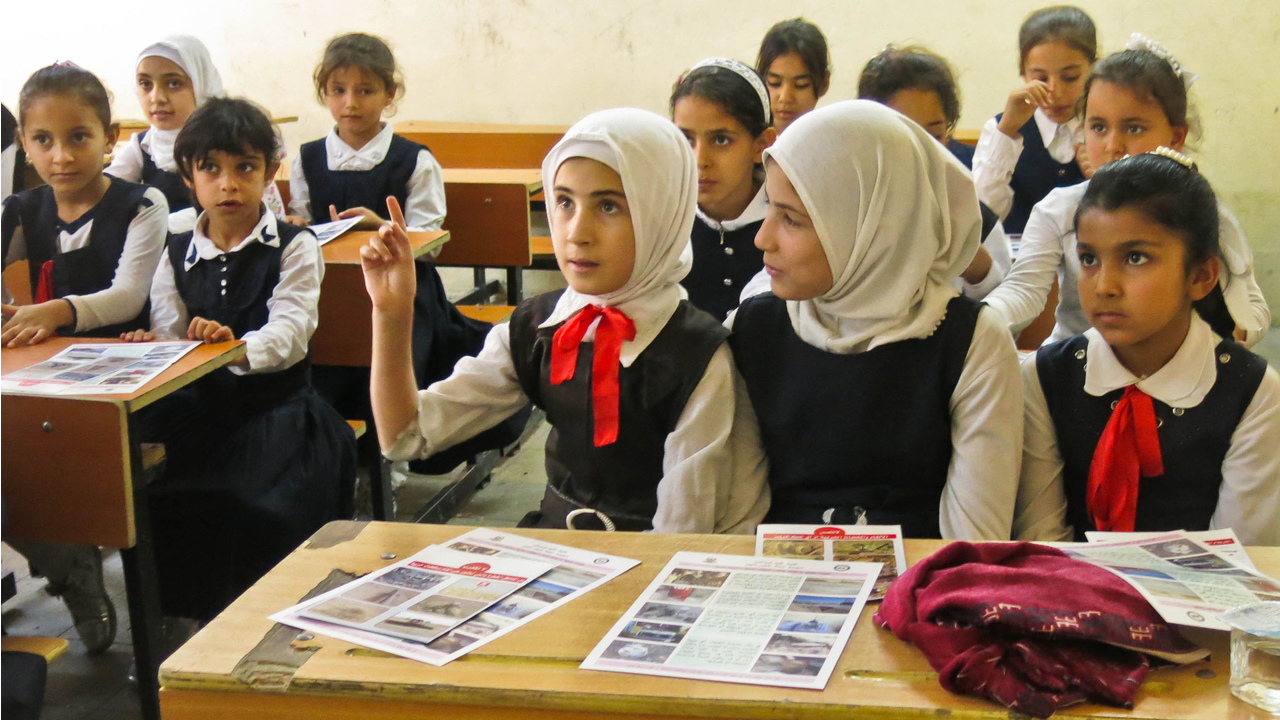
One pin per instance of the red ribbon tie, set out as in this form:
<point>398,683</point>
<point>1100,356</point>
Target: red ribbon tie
<point>614,329</point>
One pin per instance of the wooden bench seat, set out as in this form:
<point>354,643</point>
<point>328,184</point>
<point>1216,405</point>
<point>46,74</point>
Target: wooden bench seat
<point>493,314</point>
<point>46,647</point>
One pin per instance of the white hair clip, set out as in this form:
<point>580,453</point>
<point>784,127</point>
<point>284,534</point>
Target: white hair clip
<point>1138,41</point>
<point>1176,156</point>
<point>746,73</point>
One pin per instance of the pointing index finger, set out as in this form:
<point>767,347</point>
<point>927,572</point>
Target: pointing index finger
<point>393,207</point>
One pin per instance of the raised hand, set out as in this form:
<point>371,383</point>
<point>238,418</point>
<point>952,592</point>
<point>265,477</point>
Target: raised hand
<point>1022,104</point>
<point>388,265</point>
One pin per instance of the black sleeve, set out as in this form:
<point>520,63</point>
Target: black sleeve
<point>9,221</point>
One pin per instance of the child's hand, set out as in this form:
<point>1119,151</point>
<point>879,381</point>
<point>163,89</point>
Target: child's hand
<point>296,220</point>
<point>209,331</point>
<point>1082,159</point>
<point>138,336</point>
<point>1022,105</point>
<point>387,260</point>
<point>370,220</point>
<point>33,324</point>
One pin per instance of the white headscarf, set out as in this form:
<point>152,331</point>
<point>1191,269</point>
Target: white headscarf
<point>897,217</point>
<point>188,53</point>
<point>660,180</point>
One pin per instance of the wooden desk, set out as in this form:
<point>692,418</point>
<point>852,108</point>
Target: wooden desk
<point>243,665</point>
<point>73,474</point>
<point>490,223</point>
<point>129,128</point>
<point>483,145</point>
<point>344,335</point>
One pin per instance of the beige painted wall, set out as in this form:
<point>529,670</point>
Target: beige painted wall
<point>538,61</point>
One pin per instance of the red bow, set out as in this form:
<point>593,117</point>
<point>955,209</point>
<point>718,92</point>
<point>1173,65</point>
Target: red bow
<point>1129,446</point>
<point>614,328</point>
<point>44,287</point>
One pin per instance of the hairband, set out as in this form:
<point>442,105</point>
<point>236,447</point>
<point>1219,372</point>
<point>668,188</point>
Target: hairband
<point>746,73</point>
<point>1175,156</point>
<point>1138,41</point>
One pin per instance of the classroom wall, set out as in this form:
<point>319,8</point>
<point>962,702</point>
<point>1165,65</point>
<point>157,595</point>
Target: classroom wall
<point>538,61</point>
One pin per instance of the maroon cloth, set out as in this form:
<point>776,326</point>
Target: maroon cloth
<point>1027,626</point>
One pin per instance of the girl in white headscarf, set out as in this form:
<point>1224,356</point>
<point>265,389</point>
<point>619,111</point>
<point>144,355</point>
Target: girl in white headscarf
<point>175,76</point>
<point>883,395</point>
<point>638,385</point>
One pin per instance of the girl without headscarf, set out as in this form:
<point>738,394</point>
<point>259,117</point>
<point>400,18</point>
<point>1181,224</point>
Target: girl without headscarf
<point>174,76</point>
<point>883,395</point>
<point>647,411</point>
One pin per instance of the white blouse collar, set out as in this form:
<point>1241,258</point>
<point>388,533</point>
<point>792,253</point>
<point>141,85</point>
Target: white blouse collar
<point>1049,129</point>
<point>754,212</point>
<point>341,156</point>
<point>202,248</point>
<point>1183,382</point>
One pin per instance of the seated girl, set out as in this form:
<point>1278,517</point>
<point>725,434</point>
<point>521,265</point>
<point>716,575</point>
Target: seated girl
<point>883,395</point>
<point>638,385</point>
<point>1149,421</point>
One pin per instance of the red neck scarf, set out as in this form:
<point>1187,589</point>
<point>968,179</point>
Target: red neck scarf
<point>1129,447</point>
<point>44,287</point>
<point>614,329</point>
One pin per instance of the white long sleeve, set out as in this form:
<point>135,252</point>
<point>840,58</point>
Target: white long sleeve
<point>1020,298</point>
<point>986,437</point>
<point>1249,501</point>
<point>993,162</point>
<point>143,245</point>
<point>126,164</point>
<point>996,244</point>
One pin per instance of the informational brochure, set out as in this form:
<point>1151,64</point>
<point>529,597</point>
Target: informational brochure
<point>422,597</point>
<point>575,573</point>
<point>1224,542</point>
<point>328,231</point>
<point>838,543</point>
<point>97,369</point>
<point>734,618</point>
<point>1183,578</point>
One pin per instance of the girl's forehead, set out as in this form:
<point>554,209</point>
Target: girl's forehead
<point>353,74</point>
<point>60,108</point>
<point>588,175</point>
<point>155,65</point>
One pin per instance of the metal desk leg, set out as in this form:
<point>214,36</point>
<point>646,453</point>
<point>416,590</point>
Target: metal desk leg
<point>143,590</point>
<point>515,286</point>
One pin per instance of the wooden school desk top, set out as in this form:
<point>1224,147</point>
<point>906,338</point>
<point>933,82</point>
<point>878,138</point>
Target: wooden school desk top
<point>345,249</point>
<point>197,363</point>
<point>461,128</point>
<point>245,666</point>
<point>530,178</point>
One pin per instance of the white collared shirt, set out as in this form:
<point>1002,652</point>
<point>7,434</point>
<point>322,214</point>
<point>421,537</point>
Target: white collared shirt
<point>424,208</point>
<point>292,313</point>
<point>996,243</point>
<point>1249,500</point>
<point>997,155</point>
<point>126,164</point>
<point>143,248</point>
<point>1049,248</point>
<point>714,478</point>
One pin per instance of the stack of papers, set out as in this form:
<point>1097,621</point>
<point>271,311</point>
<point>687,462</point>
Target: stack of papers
<point>97,369</point>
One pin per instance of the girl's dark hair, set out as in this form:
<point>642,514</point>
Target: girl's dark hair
<point>359,50</point>
<point>1067,23</point>
<point>801,37</point>
<point>1175,196</point>
<point>909,68</point>
<point>727,89</point>
<point>1149,77</point>
<point>231,125</point>
<point>66,79</point>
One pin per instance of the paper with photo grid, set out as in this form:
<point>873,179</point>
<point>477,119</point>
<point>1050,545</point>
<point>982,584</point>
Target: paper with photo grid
<point>838,543</point>
<point>1183,577</point>
<point>325,232</point>
<point>741,619</point>
<point>97,368</point>
<point>576,573</point>
<point>419,598</point>
<point>1224,542</point>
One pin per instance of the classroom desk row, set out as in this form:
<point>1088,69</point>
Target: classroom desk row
<point>244,665</point>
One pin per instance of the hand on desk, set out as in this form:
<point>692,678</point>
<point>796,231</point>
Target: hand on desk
<point>33,324</point>
<point>209,331</point>
<point>296,220</point>
<point>138,336</point>
<point>371,219</point>
<point>387,261</point>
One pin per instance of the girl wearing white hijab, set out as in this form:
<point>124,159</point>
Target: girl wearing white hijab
<point>882,393</point>
<point>175,76</point>
<point>639,386</point>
